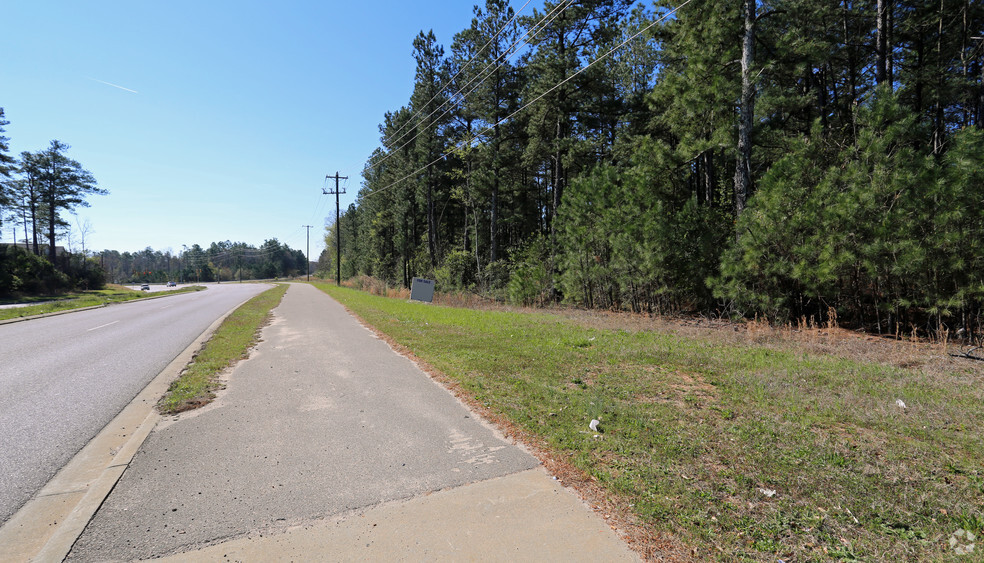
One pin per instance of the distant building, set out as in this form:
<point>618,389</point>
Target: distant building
<point>42,248</point>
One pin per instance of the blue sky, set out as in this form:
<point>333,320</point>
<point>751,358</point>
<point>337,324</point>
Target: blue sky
<point>211,120</point>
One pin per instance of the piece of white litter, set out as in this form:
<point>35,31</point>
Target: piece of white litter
<point>594,425</point>
<point>768,492</point>
<point>900,403</point>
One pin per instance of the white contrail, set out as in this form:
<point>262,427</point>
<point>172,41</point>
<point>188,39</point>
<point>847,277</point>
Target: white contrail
<point>113,85</point>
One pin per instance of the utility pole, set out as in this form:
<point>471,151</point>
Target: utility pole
<point>308,227</point>
<point>338,227</point>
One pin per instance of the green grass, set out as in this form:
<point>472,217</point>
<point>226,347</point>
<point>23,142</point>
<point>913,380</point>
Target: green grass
<point>231,342</point>
<point>695,430</point>
<point>80,300</point>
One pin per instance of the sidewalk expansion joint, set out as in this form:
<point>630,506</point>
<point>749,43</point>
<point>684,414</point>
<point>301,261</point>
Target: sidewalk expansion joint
<point>62,493</point>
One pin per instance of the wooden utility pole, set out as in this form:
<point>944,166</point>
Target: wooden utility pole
<point>338,226</point>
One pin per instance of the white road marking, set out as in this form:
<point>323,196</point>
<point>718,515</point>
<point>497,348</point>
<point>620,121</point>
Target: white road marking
<point>102,326</point>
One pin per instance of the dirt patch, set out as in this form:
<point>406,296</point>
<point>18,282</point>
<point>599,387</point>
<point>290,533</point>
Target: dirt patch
<point>694,384</point>
<point>680,389</point>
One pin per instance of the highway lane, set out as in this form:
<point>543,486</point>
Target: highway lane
<point>63,378</point>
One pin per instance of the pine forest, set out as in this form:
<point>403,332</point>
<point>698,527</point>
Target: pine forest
<point>786,159</point>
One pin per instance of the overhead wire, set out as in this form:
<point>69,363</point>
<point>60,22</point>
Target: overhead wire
<point>464,66</point>
<point>531,102</point>
<point>508,53</point>
<point>243,253</point>
<point>511,50</point>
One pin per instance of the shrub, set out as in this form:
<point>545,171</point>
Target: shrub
<point>531,282</point>
<point>457,271</point>
<point>23,272</point>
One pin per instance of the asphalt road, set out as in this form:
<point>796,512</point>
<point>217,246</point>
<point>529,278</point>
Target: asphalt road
<point>63,378</point>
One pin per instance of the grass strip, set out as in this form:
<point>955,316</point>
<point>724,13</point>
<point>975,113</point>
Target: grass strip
<point>112,294</point>
<point>740,452</point>
<point>231,342</point>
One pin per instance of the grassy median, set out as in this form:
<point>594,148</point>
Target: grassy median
<point>734,451</point>
<point>231,342</point>
<point>80,300</point>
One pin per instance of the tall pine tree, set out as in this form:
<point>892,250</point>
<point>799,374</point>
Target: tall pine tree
<point>64,185</point>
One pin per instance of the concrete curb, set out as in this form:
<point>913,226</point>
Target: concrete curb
<point>47,526</point>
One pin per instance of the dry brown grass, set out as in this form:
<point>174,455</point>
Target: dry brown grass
<point>374,286</point>
<point>930,356</point>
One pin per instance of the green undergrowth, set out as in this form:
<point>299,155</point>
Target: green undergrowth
<point>741,452</point>
<point>83,299</point>
<point>231,342</point>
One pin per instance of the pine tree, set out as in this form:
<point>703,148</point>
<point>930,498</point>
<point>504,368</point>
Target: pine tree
<point>746,109</point>
<point>856,122</point>
<point>558,128</point>
<point>64,184</point>
<point>489,93</point>
<point>8,166</point>
<point>427,102</point>
<point>696,92</point>
<point>28,192</point>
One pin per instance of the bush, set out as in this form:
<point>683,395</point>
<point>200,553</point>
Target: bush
<point>636,238</point>
<point>23,272</point>
<point>494,280</point>
<point>87,274</point>
<point>531,282</point>
<point>887,237</point>
<point>457,271</point>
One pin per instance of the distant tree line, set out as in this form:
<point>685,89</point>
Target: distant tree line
<point>787,158</point>
<point>221,261</point>
<point>38,189</point>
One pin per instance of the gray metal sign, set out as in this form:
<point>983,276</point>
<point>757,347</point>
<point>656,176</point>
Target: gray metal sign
<point>422,290</point>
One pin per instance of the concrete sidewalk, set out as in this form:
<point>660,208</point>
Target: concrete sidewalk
<point>327,445</point>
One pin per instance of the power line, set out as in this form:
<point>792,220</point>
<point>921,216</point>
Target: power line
<point>462,69</point>
<point>531,102</point>
<point>245,252</point>
<point>510,51</point>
